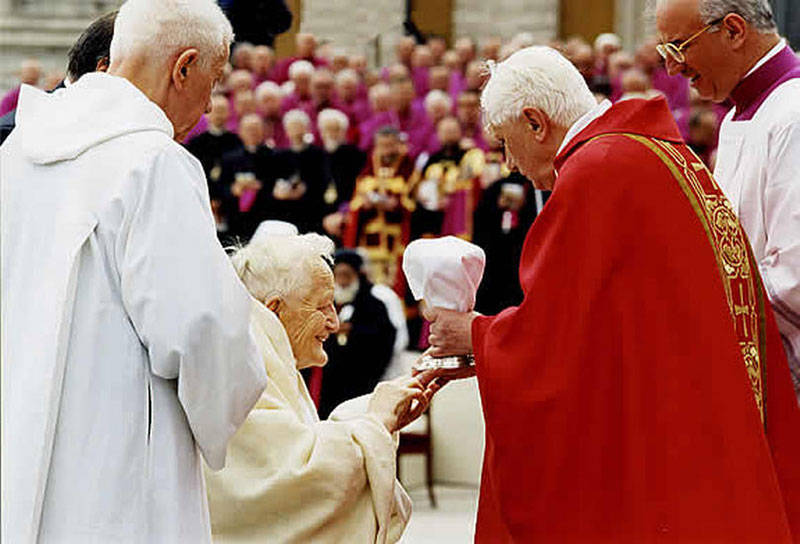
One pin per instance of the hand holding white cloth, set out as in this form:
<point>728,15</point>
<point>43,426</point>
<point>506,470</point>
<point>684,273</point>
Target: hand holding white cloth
<point>445,272</point>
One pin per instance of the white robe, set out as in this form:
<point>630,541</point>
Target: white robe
<point>758,168</point>
<point>293,478</point>
<point>125,331</point>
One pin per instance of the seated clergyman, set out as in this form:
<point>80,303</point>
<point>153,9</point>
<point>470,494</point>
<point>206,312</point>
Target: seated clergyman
<point>291,477</point>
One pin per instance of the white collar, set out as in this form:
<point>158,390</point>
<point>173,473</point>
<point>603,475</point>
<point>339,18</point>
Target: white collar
<point>771,53</point>
<point>583,122</point>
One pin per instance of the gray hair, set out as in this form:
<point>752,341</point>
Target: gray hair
<point>280,265</point>
<point>756,12</point>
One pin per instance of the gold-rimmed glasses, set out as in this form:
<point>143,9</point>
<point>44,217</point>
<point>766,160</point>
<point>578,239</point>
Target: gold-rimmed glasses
<point>675,50</point>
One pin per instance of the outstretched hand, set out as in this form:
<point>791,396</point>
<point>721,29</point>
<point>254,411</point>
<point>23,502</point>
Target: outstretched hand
<point>397,403</point>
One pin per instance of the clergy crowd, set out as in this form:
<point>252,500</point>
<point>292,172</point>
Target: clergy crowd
<point>204,299</point>
<point>315,139</point>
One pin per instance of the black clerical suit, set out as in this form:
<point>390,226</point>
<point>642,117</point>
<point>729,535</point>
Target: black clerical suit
<point>501,233</point>
<point>241,161</point>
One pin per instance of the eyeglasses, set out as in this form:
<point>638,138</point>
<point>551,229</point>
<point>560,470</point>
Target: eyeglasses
<point>675,51</point>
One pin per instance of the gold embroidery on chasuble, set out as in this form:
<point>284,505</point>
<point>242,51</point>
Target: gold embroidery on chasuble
<point>739,274</point>
<point>736,264</point>
<point>382,235</point>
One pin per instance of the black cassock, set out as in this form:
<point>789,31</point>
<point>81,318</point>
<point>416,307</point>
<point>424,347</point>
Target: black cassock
<point>343,167</point>
<point>305,167</point>
<point>209,149</point>
<point>355,367</point>
<point>501,233</point>
<point>242,223</point>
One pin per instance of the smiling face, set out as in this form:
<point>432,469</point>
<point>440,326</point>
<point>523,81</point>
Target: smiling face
<point>309,316</point>
<point>708,58</point>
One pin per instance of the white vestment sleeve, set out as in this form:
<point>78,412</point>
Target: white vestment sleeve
<point>780,267</point>
<point>189,309</point>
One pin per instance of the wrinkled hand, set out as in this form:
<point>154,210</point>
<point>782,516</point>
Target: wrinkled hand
<point>451,331</point>
<point>397,403</point>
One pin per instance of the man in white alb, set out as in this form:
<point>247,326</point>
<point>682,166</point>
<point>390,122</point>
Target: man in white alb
<point>125,331</point>
<point>731,49</point>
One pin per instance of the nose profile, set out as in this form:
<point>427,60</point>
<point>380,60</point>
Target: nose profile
<point>673,67</point>
<point>333,320</point>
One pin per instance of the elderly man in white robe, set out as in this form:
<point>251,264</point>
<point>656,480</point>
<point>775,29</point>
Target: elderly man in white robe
<point>291,477</point>
<point>125,339</point>
<point>731,49</point>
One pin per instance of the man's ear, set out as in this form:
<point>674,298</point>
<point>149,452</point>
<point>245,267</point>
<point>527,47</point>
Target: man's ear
<point>735,29</point>
<point>538,122</point>
<point>274,304</point>
<point>186,62</point>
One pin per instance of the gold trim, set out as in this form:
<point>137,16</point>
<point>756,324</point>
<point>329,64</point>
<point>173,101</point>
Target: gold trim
<point>732,252</point>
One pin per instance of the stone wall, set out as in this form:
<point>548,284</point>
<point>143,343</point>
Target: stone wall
<point>504,18</point>
<point>373,27</point>
<point>44,29</point>
<point>359,26</point>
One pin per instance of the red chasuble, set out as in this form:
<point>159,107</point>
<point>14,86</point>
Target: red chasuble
<point>640,392</point>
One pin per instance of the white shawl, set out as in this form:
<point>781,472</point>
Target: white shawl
<point>293,478</point>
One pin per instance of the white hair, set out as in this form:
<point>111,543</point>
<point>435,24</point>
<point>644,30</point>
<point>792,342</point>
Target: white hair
<point>300,67</point>
<point>375,90</point>
<point>278,266</point>
<point>347,73</point>
<point>605,39</point>
<point>535,77</point>
<point>296,115</point>
<point>435,96</point>
<point>268,88</point>
<point>164,28</point>
<point>332,115</point>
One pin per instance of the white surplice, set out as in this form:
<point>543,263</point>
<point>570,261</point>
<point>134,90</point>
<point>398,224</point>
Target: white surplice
<point>125,331</point>
<point>293,478</point>
<point>758,168</point>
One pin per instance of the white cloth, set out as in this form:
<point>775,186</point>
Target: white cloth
<point>758,168</point>
<point>583,122</point>
<point>771,53</point>
<point>445,272</point>
<point>125,331</point>
<point>293,478</point>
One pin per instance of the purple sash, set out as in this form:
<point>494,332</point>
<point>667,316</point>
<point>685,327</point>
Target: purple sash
<point>753,90</point>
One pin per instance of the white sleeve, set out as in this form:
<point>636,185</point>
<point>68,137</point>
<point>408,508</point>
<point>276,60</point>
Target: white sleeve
<point>780,267</point>
<point>189,309</point>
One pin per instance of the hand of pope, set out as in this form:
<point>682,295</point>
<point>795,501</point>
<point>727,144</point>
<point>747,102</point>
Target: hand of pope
<point>397,403</point>
<point>451,331</point>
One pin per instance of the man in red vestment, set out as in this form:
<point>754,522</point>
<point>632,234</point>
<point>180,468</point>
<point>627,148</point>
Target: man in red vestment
<point>640,391</point>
